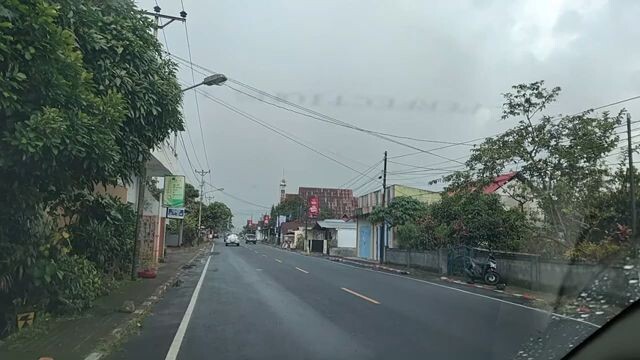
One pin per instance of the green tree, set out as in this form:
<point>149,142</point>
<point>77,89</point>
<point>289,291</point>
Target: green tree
<point>292,207</point>
<point>400,210</point>
<point>85,94</point>
<point>562,158</point>
<point>466,218</point>
<point>217,216</point>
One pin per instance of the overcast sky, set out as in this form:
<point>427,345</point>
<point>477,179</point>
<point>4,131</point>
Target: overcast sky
<point>425,69</point>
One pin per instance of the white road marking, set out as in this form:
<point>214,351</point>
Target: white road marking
<point>172,354</point>
<point>94,356</point>
<point>452,288</point>
<point>265,255</point>
<point>258,269</point>
<point>360,296</point>
<point>278,260</point>
<point>304,271</point>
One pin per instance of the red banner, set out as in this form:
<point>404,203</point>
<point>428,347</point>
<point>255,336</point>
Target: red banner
<point>314,206</point>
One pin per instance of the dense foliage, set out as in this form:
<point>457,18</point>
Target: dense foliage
<point>85,94</point>
<point>102,229</point>
<point>466,218</point>
<point>563,159</point>
<point>401,210</point>
<point>216,217</point>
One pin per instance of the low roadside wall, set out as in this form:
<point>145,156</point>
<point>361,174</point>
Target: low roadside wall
<point>342,251</point>
<point>525,270</point>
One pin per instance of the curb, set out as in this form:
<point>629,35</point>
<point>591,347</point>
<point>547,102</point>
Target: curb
<point>525,296</point>
<point>133,322</point>
<point>369,265</point>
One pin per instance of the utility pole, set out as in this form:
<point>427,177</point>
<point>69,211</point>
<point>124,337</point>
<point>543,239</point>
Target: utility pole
<point>632,186</point>
<point>202,173</point>
<point>143,172</point>
<point>383,233</point>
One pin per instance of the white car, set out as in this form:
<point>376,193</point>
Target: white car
<point>232,239</point>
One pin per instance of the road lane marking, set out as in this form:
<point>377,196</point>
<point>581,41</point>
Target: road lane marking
<point>172,354</point>
<point>258,269</point>
<point>278,260</point>
<point>360,296</point>
<point>450,288</point>
<point>304,271</point>
<point>265,255</point>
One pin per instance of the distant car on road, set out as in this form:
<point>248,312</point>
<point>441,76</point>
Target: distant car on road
<point>232,239</point>
<point>250,239</point>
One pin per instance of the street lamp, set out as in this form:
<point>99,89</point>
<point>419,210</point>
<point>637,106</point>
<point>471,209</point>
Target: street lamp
<point>215,79</point>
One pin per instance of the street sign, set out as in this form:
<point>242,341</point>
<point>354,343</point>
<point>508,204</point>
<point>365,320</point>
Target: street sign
<point>314,206</point>
<point>266,219</point>
<point>173,195</point>
<point>25,319</point>
<point>175,213</point>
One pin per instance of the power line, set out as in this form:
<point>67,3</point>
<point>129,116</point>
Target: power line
<point>317,115</point>
<point>195,95</point>
<point>326,117</point>
<point>274,129</point>
<point>237,197</point>
<point>358,177</point>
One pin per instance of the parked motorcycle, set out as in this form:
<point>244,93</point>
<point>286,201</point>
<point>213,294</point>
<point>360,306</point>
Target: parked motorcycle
<point>486,271</point>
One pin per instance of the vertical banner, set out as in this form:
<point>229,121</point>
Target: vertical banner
<point>173,196</point>
<point>314,206</point>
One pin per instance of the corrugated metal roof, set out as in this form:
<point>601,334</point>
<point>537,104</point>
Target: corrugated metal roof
<point>336,224</point>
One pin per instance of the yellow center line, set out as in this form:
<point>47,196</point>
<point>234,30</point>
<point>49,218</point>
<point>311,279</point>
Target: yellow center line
<point>361,296</point>
<point>304,271</point>
<point>278,260</point>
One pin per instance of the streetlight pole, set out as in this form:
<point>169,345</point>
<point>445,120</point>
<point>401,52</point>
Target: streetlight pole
<point>632,188</point>
<point>202,173</point>
<point>383,234</point>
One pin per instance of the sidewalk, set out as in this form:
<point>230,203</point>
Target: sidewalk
<point>103,325</point>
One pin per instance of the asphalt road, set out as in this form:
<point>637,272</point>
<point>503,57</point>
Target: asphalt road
<point>258,302</point>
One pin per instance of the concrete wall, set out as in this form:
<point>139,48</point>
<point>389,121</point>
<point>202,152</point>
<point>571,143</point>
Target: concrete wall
<point>524,270</point>
<point>430,260</point>
<point>347,238</point>
<point>344,252</point>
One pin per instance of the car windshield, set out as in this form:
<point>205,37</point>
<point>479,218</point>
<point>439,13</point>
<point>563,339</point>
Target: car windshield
<point>316,179</point>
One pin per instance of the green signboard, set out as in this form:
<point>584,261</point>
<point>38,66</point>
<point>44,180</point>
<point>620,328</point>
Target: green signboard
<point>173,191</point>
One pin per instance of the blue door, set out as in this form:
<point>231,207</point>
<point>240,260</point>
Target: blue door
<point>364,242</point>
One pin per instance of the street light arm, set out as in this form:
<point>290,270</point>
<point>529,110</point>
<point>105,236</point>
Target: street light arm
<point>215,79</point>
<point>191,87</point>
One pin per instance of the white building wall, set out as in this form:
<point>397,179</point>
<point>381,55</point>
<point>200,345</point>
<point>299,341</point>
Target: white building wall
<point>347,238</point>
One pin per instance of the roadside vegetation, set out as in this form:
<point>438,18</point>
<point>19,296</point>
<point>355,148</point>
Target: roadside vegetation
<point>572,197</point>
<point>85,94</point>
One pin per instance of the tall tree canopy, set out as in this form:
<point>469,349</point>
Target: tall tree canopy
<point>85,94</point>
<point>562,158</point>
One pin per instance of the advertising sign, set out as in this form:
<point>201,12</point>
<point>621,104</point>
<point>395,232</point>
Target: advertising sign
<point>173,195</point>
<point>314,206</point>
<point>175,213</point>
<point>266,219</point>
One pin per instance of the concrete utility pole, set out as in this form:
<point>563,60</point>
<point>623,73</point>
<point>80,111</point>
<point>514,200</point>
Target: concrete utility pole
<point>143,172</point>
<point>383,233</point>
<point>202,173</point>
<point>632,186</point>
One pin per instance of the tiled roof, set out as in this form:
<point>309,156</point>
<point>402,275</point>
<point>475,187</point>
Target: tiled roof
<point>499,182</point>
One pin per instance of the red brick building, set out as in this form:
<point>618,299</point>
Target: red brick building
<point>339,201</point>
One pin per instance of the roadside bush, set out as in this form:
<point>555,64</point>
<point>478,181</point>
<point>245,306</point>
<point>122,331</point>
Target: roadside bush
<point>102,229</point>
<point>76,285</point>
<point>605,251</point>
